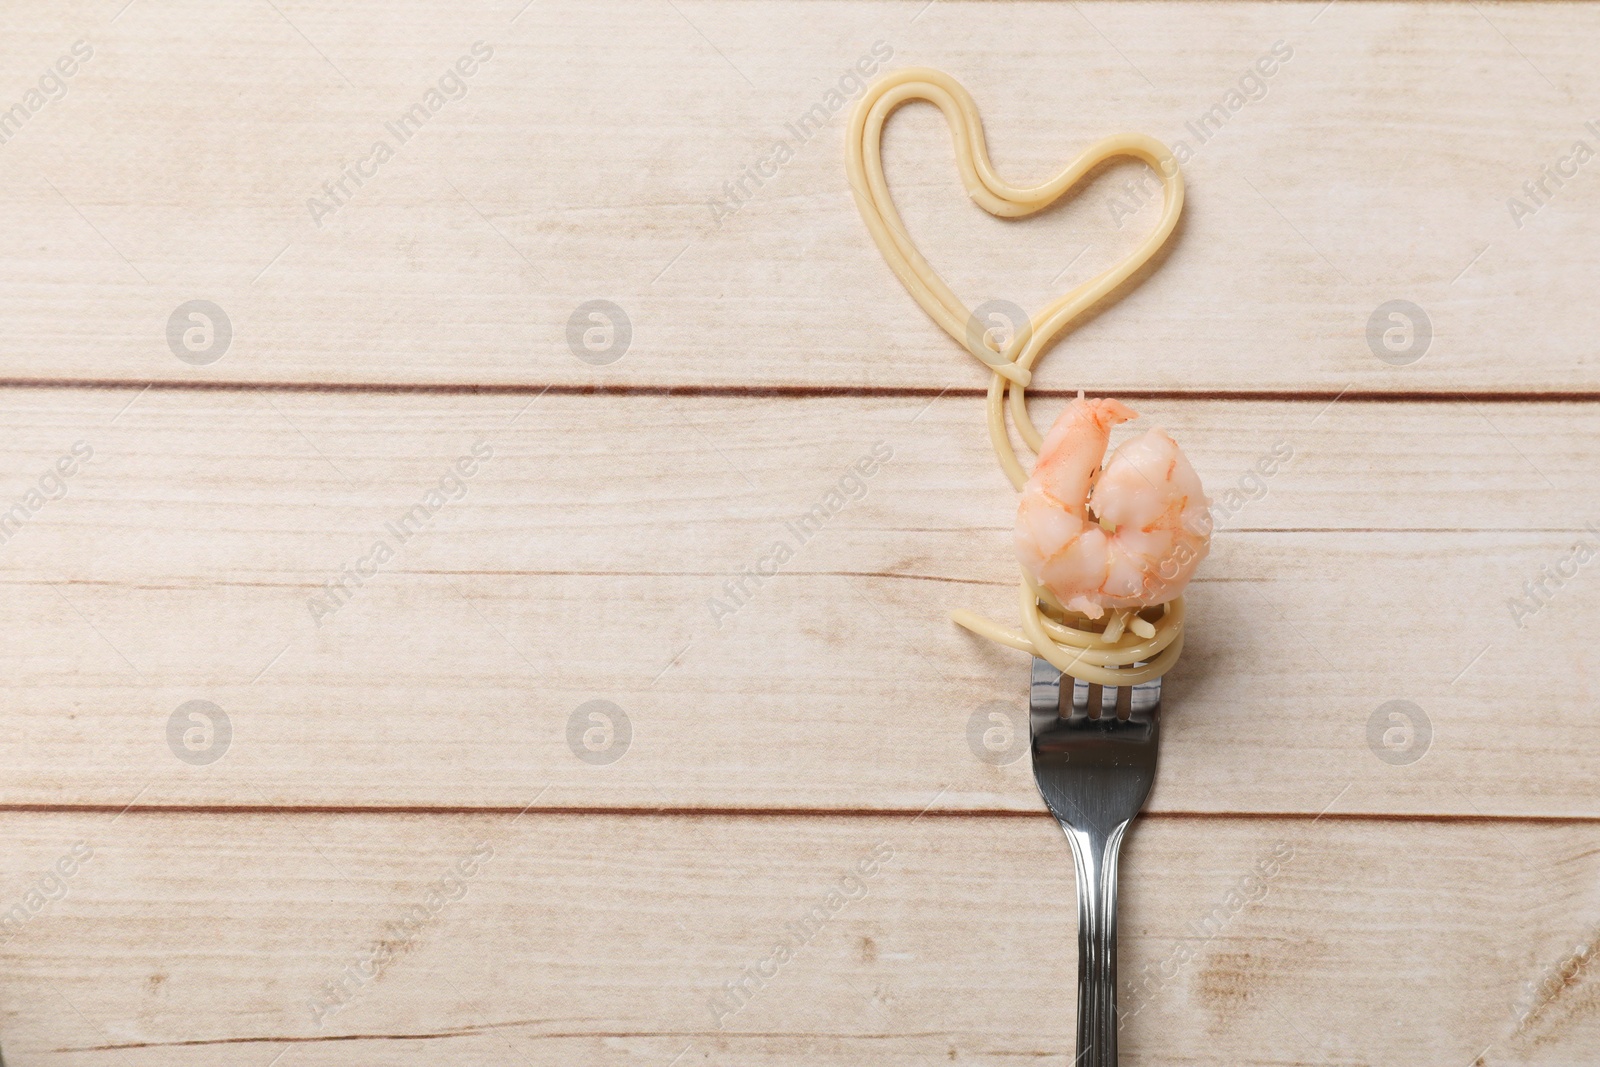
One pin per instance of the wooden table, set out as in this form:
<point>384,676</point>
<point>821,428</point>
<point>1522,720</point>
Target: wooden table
<point>274,795</point>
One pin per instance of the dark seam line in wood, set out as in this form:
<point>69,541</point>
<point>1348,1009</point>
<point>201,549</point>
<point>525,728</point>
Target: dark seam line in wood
<point>202,586</point>
<point>750,813</point>
<point>804,392</point>
<point>473,1031</point>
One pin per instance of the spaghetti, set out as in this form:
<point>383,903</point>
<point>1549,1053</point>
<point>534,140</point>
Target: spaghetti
<point>1128,646</point>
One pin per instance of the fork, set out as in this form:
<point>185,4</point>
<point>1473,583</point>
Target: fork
<point>1094,758</point>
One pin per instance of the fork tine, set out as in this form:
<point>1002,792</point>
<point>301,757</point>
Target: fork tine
<point>1145,700</point>
<point>1044,692</point>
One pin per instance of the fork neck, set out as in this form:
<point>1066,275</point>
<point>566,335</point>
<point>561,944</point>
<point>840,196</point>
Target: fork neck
<point>1094,852</point>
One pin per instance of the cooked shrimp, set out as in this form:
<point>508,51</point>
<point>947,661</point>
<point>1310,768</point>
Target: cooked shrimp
<point>1126,535</point>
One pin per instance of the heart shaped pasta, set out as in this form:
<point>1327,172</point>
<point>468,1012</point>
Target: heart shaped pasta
<point>864,162</point>
<point>1128,648</point>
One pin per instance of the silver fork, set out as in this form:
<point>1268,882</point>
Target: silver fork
<point>1094,758</point>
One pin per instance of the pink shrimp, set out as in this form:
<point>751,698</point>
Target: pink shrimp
<point>1127,535</point>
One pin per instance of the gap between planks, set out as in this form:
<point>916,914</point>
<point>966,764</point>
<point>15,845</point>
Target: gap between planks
<point>681,812</point>
<point>807,392</point>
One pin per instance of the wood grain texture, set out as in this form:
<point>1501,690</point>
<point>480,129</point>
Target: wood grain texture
<point>1434,911</point>
<point>608,940</point>
<point>587,557</point>
<point>1376,165</point>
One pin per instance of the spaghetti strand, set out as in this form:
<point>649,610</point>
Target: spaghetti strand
<point>1128,647</point>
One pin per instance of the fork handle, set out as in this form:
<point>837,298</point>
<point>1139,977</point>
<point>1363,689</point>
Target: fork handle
<point>1095,853</point>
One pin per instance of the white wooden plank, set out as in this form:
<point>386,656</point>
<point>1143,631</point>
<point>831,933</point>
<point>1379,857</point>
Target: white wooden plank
<point>605,940</point>
<point>1378,165</point>
<point>186,558</point>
